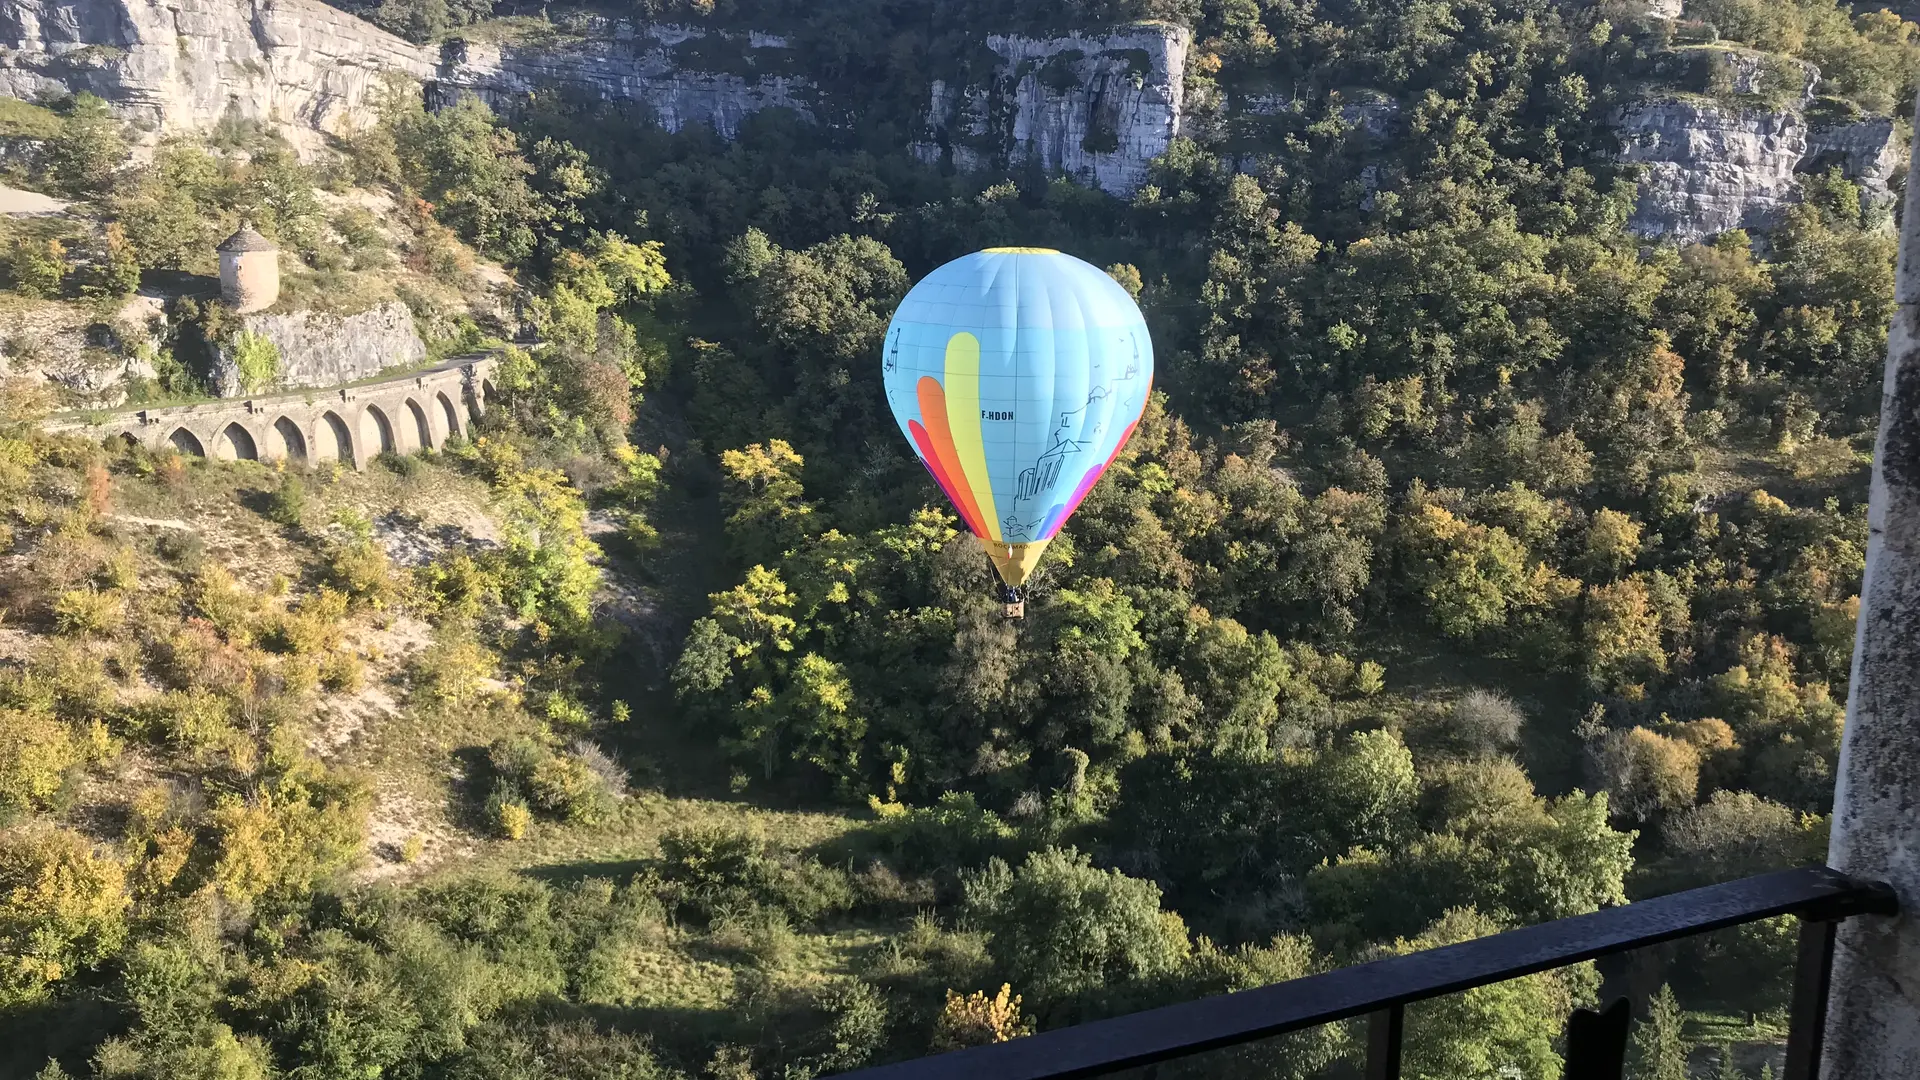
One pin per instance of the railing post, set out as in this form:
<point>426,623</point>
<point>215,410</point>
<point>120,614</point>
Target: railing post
<point>1385,1030</point>
<point>1597,1042</point>
<point>1812,975</point>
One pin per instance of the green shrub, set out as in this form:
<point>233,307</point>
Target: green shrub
<point>761,934</point>
<point>713,871</point>
<point>62,911</point>
<point>182,548</point>
<point>566,713</point>
<point>713,862</point>
<point>403,465</point>
<point>222,601</point>
<point>38,754</point>
<point>563,785</point>
<point>89,612</point>
<point>508,816</point>
<point>362,570</point>
<point>37,267</point>
<point>855,1028</point>
<point>954,832</point>
<point>193,722</point>
<point>116,267</point>
<point>297,826</point>
<point>313,628</point>
<point>449,673</point>
<point>256,361</point>
<point>288,503</point>
<point>90,148</point>
<point>342,673</point>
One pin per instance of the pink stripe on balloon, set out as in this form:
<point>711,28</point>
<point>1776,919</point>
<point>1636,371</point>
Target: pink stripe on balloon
<point>1060,514</point>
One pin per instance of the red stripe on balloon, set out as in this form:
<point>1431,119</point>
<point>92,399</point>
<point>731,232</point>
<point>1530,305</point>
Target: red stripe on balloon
<point>931,460</point>
<point>933,413</point>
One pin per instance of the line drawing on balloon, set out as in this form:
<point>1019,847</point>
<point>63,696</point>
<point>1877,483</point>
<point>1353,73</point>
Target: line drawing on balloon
<point>1068,440</point>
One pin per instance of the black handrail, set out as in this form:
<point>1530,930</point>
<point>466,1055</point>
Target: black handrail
<point>1820,897</point>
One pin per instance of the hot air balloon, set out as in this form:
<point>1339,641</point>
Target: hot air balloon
<point>1017,374</point>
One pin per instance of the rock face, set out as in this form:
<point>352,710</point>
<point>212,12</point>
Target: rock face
<point>1096,107</point>
<point>328,350</point>
<point>176,65</point>
<point>660,65</point>
<point>1710,169</point>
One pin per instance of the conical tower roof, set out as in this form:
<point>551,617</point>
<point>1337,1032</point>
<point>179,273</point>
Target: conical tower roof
<point>246,240</point>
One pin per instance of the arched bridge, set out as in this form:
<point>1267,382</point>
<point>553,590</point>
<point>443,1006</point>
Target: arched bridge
<point>351,424</point>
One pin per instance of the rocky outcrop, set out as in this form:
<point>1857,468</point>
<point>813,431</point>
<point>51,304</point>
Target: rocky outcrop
<point>186,64</point>
<point>1709,168</point>
<point>330,350</point>
<point>1097,107</point>
<point>659,65</point>
<point>1867,152</point>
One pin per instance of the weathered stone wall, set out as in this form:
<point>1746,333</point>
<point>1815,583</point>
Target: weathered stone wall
<point>317,349</point>
<point>249,280</point>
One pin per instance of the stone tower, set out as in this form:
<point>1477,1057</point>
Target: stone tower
<point>249,270</point>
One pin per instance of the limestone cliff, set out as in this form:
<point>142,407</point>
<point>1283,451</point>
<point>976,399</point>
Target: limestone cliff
<point>659,65</point>
<point>185,64</point>
<point>1097,107</point>
<point>328,350</point>
<point>1709,168</point>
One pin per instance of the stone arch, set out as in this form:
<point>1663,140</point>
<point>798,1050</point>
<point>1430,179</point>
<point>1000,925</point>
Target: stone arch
<point>376,433</point>
<point>128,440</point>
<point>419,433</point>
<point>187,442</point>
<point>332,439</point>
<point>487,394</point>
<point>235,443</point>
<point>284,440</point>
<point>449,416</point>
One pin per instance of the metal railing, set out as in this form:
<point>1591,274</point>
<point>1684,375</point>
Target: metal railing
<point>1596,1042</point>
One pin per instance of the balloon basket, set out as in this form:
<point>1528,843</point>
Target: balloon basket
<point>1012,604</point>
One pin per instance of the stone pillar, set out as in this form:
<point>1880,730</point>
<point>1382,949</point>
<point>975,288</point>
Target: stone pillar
<point>1873,1026</point>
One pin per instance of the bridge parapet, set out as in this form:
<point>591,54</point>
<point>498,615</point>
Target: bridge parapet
<point>351,424</point>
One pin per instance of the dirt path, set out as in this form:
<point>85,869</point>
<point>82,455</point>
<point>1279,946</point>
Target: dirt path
<point>17,203</point>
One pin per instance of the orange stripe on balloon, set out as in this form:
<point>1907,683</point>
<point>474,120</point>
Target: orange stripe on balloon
<point>933,412</point>
<point>931,459</point>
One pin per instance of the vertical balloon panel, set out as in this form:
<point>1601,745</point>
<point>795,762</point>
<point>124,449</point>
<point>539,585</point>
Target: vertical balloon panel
<point>1017,374</point>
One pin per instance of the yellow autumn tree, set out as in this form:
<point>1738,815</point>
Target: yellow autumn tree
<point>1644,771</point>
<point>976,1020</point>
<point>38,751</point>
<point>1621,637</point>
<point>62,910</point>
<point>1612,543</point>
<point>289,832</point>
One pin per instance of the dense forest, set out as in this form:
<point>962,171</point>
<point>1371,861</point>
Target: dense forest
<point>1477,563</point>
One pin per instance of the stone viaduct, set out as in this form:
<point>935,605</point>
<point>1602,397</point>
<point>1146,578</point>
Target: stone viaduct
<point>351,424</point>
